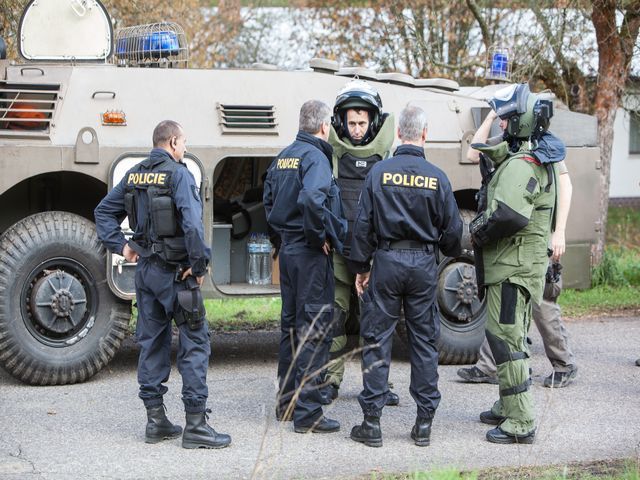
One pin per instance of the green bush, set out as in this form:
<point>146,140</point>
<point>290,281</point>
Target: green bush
<point>619,267</point>
<point>609,271</point>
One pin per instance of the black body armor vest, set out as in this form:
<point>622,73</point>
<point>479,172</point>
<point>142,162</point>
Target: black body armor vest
<point>351,174</point>
<point>157,229</point>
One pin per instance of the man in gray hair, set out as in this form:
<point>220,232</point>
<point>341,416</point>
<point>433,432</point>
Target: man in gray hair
<point>303,207</point>
<point>406,213</point>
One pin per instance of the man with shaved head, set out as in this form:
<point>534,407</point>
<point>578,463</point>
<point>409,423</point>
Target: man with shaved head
<point>162,202</point>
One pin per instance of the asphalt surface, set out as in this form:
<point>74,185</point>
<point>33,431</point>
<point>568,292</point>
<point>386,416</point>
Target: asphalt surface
<point>96,429</point>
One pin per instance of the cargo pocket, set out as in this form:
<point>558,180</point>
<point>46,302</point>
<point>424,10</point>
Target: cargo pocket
<point>318,318</point>
<point>509,251</point>
<point>373,320</point>
<point>175,250</point>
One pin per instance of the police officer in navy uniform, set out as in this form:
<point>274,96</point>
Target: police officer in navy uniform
<point>163,204</point>
<point>407,211</point>
<point>303,207</point>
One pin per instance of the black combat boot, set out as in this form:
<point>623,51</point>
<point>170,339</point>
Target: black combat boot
<point>497,435</point>
<point>392,399</point>
<point>491,418</point>
<point>421,431</point>
<point>368,432</point>
<point>322,425</point>
<point>159,427</point>
<point>199,434</point>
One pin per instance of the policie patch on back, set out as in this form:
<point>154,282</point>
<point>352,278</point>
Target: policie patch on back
<point>390,179</point>
<point>148,178</point>
<point>287,163</point>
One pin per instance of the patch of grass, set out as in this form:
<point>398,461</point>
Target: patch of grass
<point>623,227</point>
<point>619,267</point>
<point>619,469</point>
<point>243,314</point>
<point>438,474</point>
<point>233,314</point>
<point>600,300</point>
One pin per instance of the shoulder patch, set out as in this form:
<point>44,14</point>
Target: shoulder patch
<point>531,185</point>
<point>195,192</point>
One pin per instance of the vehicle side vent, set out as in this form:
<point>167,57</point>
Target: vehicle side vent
<point>27,110</point>
<point>246,119</point>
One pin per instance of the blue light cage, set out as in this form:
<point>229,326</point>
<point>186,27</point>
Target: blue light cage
<point>155,44</point>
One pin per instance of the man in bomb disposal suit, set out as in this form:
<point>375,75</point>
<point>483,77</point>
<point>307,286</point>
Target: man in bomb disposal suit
<point>162,202</point>
<point>547,316</point>
<point>361,135</point>
<point>407,211</point>
<point>303,207</point>
<point>510,237</point>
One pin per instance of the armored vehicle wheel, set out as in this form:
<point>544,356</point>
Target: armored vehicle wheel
<point>59,322</point>
<point>462,314</point>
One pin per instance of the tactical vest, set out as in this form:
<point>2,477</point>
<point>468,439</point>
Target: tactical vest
<point>158,232</point>
<point>522,258</point>
<point>352,171</point>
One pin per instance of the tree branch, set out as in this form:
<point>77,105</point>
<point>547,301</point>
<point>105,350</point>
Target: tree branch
<point>475,11</point>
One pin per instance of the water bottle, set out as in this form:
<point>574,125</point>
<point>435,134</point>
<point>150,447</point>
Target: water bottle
<point>265,260</point>
<point>253,260</point>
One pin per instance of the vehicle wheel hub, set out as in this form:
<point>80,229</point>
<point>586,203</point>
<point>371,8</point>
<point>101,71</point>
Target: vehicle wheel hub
<point>58,302</point>
<point>458,292</point>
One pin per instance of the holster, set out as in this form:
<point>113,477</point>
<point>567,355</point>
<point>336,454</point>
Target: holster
<point>190,307</point>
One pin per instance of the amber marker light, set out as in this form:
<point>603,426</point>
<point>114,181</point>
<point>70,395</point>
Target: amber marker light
<point>116,118</point>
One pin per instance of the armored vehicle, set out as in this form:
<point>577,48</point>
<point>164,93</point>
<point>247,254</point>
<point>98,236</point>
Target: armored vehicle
<point>78,111</point>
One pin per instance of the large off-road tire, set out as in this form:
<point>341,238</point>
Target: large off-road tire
<point>59,321</point>
<point>462,314</point>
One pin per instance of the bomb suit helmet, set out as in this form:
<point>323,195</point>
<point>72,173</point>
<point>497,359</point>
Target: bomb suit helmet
<point>358,94</point>
<point>527,115</point>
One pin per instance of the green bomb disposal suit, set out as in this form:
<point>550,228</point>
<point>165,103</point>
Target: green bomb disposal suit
<point>351,164</point>
<point>513,234</point>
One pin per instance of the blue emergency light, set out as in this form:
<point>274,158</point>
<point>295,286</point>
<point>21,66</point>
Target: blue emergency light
<point>149,45</point>
<point>160,44</point>
<point>152,45</point>
<point>498,67</point>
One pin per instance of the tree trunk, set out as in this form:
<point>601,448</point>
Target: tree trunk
<point>615,50</point>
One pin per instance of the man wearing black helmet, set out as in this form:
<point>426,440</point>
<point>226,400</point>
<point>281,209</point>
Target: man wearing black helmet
<point>361,135</point>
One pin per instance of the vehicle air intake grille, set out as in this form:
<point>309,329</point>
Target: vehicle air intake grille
<point>245,119</point>
<point>27,110</point>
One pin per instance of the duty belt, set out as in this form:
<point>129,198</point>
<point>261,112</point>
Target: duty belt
<point>292,237</point>
<point>405,245</point>
<point>166,266</point>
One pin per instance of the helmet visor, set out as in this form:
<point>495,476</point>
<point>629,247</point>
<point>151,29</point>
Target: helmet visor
<point>511,100</point>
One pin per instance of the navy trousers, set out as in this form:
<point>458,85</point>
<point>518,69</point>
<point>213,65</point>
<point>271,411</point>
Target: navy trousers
<point>307,288</point>
<point>400,279</point>
<point>156,296</point>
